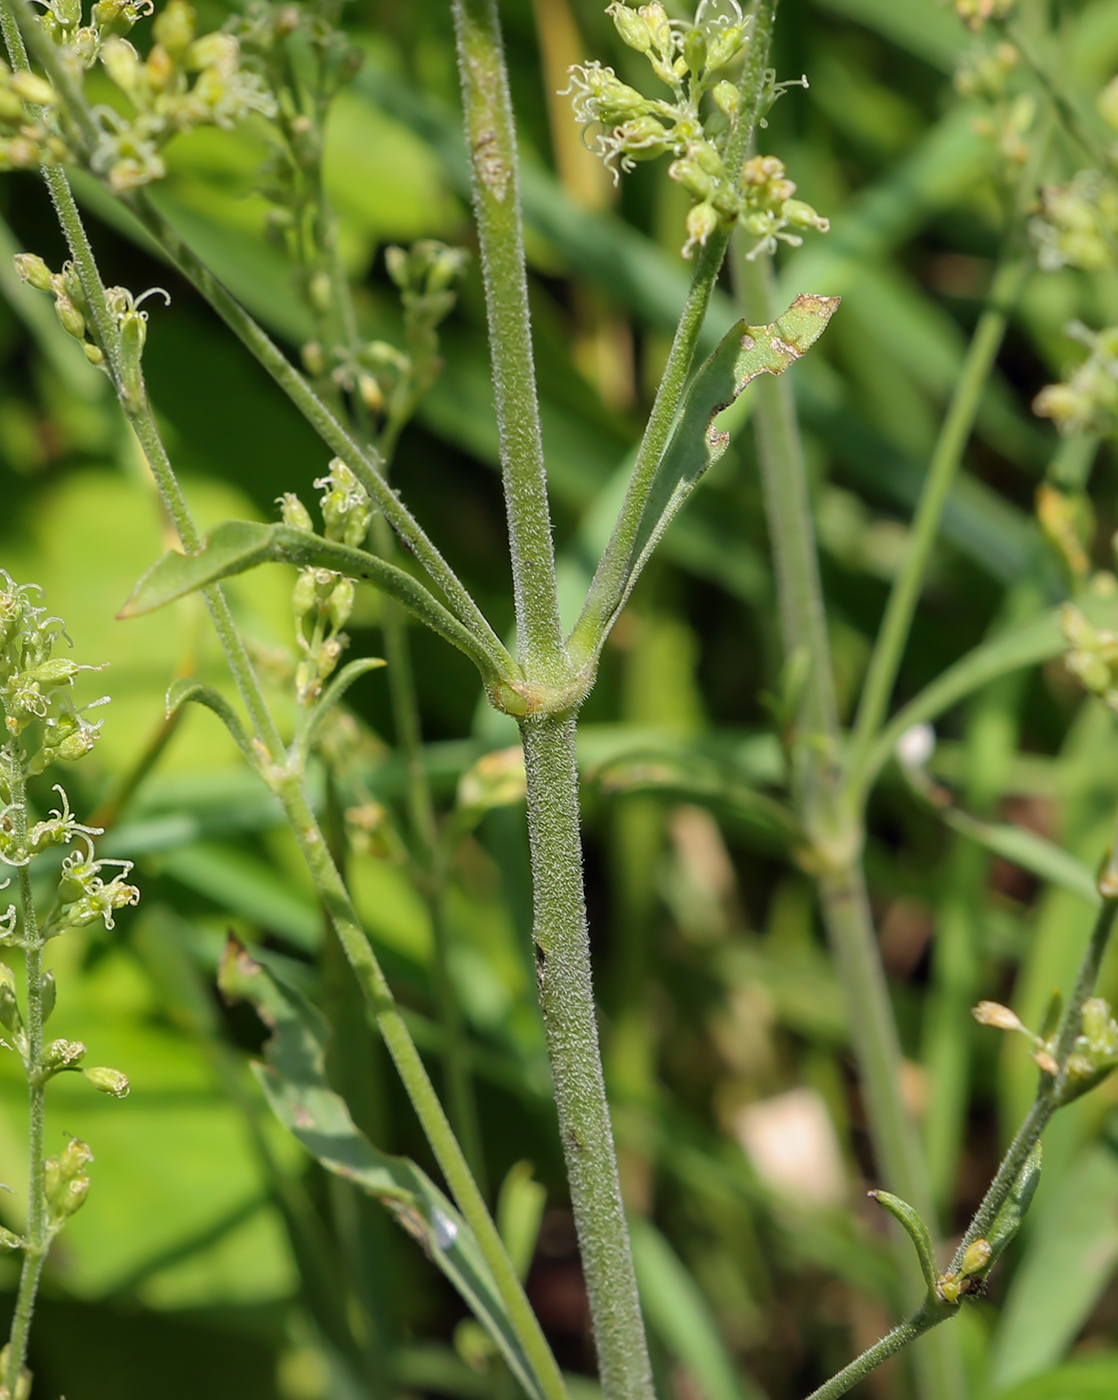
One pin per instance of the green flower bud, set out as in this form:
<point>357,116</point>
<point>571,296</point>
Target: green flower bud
<point>48,992</point>
<point>372,395</point>
<point>321,292</point>
<point>34,270</point>
<point>398,267</point>
<point>31,88</point>
<point>976,1257</point>
<point>294,513</point>
<point>724,46</point>
<point>695,50</point>
<point>304,596</point>
<point>71,1197</point>
<point>74,1158</point>
<point>61,1055</point>
<point>73,322</point>
<point>93,353</point>
<point>341,603</point>
<point>174,27</point>
<point>702,220</point>
<point>1107,104</point>
<point>314,361</point>
<point>694,179</point>
<point>133,334</point>
<point>801,215</point>
<point>122,63</point>
<point>108,1081</point>
<point>726,98</point>
<point>630,26</point>
<point>10,1017</point>
<point>217,50</point>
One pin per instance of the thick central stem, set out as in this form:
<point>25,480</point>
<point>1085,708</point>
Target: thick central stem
<point>567,996</point>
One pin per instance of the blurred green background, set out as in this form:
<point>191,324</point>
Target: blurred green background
<point>719,1007</point>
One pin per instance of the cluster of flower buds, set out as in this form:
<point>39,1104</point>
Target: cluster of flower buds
<point>976,13</point>
<point>974,1263</point>
<point>1068,523</point>
<point>66,1182</point>
<point>108,19</point>
<point>388,379</point>
<point>1093,654</point>
<point>1088,399</point>
<point>323,600</point>
<point>185,81</point>
<point>691,59</point>
<point>1078,224</point>
<point>73,312</point>
<point>35,689</point>
<point>1094,1052</point>
<point>27,136</point>
<point>986,73</point>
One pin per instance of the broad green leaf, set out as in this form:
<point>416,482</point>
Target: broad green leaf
<point>238,545</point>
<point>1071,1256</point>
<point>294,1081</point>
<point>681,1316</point>
<point>693,448</point>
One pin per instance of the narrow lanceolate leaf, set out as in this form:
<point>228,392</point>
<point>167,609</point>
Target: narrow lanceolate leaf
<point>912,1223</point>
<point>186,690</point>
<point>693,448</point>
<point>294,1082</point>
<point>235,546</point>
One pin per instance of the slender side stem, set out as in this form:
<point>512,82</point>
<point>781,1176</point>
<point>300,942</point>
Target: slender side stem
<point>1050,1095</point>
<point>947,456</point>
<point>607,588</point>
<point>788,510</point>
<point>567,997</point>
<point>37,1240</point>
<point>458,1081</point>
<point>416,1081</point>
<point>901,1335</point>
<point>491,139</point>
<point>873,1030</point>
<point>834,830</point>
<point>1049,1098</point>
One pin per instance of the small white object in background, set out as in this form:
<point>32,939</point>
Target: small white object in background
<point>792,1143</point>
<point>916,745</point>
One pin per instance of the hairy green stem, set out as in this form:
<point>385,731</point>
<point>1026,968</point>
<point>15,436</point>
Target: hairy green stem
<point>893,1342</point>
<point>491,138</point>
<point>608,586</point>
<point>947,457</point>
<point>413,1074</point>
<point>566,994</point>
<point>36,1240</point>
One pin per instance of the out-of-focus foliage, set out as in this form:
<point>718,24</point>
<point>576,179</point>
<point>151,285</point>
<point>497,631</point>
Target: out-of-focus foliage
<point>723,1030</point>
